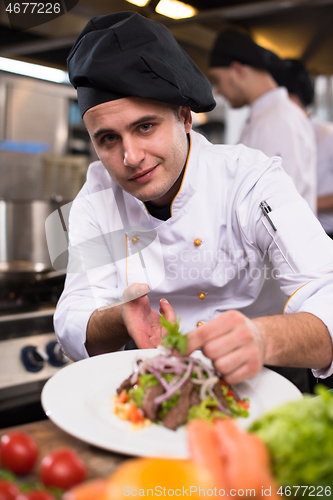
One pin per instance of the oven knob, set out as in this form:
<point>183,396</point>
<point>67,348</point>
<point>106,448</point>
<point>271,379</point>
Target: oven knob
<point>55,354</point>
<point>33,358</point>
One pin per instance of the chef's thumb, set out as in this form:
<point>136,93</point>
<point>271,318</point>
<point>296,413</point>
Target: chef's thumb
<point>135,291</point>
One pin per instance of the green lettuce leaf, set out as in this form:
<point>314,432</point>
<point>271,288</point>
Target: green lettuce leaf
<point>299,436</point>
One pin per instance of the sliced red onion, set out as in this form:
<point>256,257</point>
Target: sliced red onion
<point>169,365</point>
<point>161,379</point>
<point>134,378</point>
<point>177,386</point>
<point>174,381</point>
<point>199,371</point>
<point>210,371</point>
<point>198,381</point>
<point>208,384</point>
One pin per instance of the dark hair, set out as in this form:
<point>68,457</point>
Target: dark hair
<point>297,81</point>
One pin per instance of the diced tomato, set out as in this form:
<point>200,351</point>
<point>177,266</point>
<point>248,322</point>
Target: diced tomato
<point>134,414</point>
<point>244,404</point>
<point>123,397</point>
<point>230,394</point>
<point>121,410</point>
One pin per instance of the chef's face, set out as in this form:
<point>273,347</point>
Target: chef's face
<point>227,82</point>
<point>142,144</point>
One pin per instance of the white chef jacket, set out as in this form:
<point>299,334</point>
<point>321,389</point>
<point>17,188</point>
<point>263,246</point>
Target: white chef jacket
<point>324,137</point>
<point>279,127</point>
<point>209,256</point>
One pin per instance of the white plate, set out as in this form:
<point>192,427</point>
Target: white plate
<point>78,399</point>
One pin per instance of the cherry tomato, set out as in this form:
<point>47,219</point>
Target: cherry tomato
<point>18,452</point>
<point>8,490</point>
<point>63,469</point>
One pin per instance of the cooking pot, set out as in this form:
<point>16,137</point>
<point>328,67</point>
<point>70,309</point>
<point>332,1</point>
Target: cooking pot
<point>32,187</point>
<point>23,249</point>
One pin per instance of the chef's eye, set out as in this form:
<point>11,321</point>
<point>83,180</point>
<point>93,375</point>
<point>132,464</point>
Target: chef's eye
<point>108,138</point>
<point>145,127</point>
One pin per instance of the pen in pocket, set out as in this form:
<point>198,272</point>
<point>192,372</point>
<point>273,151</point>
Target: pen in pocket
<point>266,209</point>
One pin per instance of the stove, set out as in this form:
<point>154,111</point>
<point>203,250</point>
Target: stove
<point>29,352</point>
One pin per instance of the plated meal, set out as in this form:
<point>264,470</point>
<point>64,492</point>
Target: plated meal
<point>172,388</point>
<point>79,399</point>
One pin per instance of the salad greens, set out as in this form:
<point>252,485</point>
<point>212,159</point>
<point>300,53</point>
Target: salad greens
<point>174,338</point>
<point>299,436</point>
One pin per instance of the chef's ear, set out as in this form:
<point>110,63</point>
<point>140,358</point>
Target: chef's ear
<point>238,68</point>
<point>186,117</point>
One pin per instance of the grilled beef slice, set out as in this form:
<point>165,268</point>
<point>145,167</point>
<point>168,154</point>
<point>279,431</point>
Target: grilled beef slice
<point>149,408</point>
<point>219,394</point>
<point>237,397</point>
<point>178,413</point>
<point>194,397</point>
<point>125,385</point>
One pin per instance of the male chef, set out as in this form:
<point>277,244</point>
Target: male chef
<point>297,81</point>
<point>205,216</point>
<point>245,73</point>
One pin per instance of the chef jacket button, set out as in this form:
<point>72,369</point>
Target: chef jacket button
<point>199,323</point>
<point>197,242</point>
<point>134,239</point>
<point>202,295</point>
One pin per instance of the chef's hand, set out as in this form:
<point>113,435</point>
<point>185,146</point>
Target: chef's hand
<point>143,322</point>
<point>234,344</point>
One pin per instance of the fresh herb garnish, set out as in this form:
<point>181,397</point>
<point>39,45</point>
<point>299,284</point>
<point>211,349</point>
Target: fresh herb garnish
<point>174,338</point>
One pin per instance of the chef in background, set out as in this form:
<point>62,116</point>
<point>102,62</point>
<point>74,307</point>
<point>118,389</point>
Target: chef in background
<point>300,87</point>
<point>243,72</point>
<point>168,222</point>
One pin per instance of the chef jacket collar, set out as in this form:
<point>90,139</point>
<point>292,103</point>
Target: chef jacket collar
<point>268,99</point>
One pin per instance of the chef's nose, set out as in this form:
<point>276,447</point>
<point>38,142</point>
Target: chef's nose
<point>133,153</point>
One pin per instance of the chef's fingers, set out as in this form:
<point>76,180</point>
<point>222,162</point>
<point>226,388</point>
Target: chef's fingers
<point>242,373</point>
<point>241,336</point>
<point>135,291</point>
<point>241,363</point>
<point>223,324</point>
<point>168,311</point>
<point>220,346</point>
<point>169,314</point>
<point>215,328</point>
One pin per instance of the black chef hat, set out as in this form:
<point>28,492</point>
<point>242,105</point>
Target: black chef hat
<point>297,81</point>
<point>124,54</point>
<point>233,45</point>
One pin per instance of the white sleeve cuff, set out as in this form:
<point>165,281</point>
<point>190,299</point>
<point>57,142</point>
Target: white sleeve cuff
<point>315,297</point>
<point>70,324</point>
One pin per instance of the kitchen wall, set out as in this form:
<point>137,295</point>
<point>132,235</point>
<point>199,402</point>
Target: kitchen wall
<point>32,110</point>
